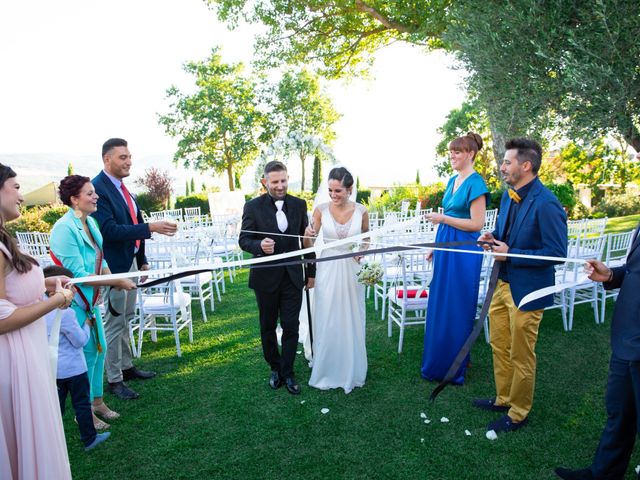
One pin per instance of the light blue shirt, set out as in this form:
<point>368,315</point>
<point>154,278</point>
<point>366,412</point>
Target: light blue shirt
<point>73,338</point>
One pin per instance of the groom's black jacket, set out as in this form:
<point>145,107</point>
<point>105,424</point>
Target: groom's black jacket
<point>260,216</point>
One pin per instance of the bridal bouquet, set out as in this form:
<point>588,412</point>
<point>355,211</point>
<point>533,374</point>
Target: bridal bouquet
<point>370,273</point>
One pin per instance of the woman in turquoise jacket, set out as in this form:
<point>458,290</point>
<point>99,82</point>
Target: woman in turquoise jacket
<point>76,244</point>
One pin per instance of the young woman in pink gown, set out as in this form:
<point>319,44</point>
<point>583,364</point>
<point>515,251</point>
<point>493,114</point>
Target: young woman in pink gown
<point>32,443</point>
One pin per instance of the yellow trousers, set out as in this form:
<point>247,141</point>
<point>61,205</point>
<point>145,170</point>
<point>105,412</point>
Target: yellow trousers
<point>513,334</point>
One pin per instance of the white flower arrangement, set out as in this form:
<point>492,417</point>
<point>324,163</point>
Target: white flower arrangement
<point>370,273</point>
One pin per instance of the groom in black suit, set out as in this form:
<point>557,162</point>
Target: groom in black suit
<point>278,289</point>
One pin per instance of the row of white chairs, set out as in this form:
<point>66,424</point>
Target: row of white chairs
<point>403,290</point>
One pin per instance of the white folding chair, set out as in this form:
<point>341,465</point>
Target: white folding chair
<point>575,228</point>
<point>594,226</point>
<point>36,245</point>
<point>618,245</point>
<point>490,218</point>
<point>586,291</point>
<point>409,296</point>
<point>162,308</point>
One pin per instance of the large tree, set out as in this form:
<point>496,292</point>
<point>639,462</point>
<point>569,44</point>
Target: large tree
<point>219,126</point>
<point>552,63</point>
<point>533,64</point>
<point>337,37</point>
<point>468,118</point>
<point>303,114</point>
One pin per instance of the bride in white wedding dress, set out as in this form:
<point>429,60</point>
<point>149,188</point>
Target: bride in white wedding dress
<point>339,350</point>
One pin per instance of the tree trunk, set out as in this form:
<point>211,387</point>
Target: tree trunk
<point>498,144</point>
<point>632,137</point>
<point>230,175</point>
<point>302,159</point>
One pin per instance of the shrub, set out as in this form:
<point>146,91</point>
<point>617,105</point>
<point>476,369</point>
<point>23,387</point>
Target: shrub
<point>53,213</point>
<point>565,193</point>
<point>363,196</point>
<point>618,205</point>
<point>148,204</point>
<point>196,200</point>
<point>429,196</point>
<point>30,220</point>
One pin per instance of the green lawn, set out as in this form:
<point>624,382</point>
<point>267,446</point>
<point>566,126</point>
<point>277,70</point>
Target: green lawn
<point>210,414</point>
<point>622,224</point>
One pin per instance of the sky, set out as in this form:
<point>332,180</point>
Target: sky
<point>77,72</point>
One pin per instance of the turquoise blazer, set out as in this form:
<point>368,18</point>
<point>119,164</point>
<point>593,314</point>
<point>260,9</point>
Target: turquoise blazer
<point>71,245</point>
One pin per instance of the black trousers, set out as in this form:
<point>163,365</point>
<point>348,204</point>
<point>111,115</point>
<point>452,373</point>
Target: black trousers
<point>285,303</point>
<point>623,404</point>
<point>78,386</point>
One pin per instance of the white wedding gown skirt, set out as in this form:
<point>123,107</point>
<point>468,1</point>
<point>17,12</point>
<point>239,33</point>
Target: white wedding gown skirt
<point>338,320</point>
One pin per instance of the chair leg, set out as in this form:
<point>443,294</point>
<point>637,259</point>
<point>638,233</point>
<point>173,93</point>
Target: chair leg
<point>176,333</point>
<point>594,303</point>
<point>204,311</point>
<point>572,301</point>
<point>401,339</point>
<point>140,334</point>
<point>603,304</point>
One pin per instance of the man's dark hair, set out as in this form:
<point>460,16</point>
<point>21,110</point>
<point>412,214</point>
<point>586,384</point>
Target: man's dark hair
<point>274,166</point>
<point>112,143</point>
<point>55,270</point>
<point>528,151</point>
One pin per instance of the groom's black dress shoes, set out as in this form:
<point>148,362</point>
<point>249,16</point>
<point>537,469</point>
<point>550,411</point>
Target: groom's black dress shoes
<point>292,386</point>
<point>582,474</point>
<point>275,381</point>
<point>133,373</point>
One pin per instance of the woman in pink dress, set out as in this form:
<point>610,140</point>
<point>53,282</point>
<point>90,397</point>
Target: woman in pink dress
<point>32,443</point>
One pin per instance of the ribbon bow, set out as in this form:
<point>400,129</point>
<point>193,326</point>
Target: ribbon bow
<point>513,195</point>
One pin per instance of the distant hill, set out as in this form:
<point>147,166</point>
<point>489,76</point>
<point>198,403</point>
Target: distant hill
<point>35,170</point>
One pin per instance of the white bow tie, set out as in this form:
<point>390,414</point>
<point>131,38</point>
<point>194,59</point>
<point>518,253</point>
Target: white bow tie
<point>281,218</point>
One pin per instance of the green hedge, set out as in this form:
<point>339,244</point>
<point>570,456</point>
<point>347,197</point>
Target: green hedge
<point>146,203</point>
<point>37,219</point>
<point>617,206</point>
<point>197,200</point>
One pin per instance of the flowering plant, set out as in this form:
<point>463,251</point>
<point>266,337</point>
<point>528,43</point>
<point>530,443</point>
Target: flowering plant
<point>370,273</point>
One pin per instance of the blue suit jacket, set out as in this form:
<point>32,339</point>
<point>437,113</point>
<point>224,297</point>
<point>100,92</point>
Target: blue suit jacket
<point>540,228</point>
<point>118,231</point>
<point>625,325</point>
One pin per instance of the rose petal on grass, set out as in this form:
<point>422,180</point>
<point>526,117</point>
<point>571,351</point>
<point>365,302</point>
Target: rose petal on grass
<point>444,420</point>
<point>638,469</point>
<point>422,440</point>
<point>324,411</point>
<point>423,415</point>
<point>302,402</point>
<point>467,433</point>
<point>427,421</point>
<point>491,435</point>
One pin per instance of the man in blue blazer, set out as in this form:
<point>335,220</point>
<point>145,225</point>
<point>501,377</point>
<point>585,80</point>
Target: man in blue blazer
<point>531,221</point>
<point>124,232</point>
<point>622,397</point>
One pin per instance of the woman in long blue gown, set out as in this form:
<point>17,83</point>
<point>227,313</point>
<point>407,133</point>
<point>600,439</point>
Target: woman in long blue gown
<point>453,292</point>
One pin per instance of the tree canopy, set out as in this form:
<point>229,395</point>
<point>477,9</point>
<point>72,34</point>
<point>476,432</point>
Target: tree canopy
<point>337,37</point>
<point>220,125</point>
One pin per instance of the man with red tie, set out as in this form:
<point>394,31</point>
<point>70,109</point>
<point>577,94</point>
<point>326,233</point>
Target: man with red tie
<point>124,232</point>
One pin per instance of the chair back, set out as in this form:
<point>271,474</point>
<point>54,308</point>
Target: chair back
<point>36,245</point>
<point>618,245</point>
<point>490,218</point>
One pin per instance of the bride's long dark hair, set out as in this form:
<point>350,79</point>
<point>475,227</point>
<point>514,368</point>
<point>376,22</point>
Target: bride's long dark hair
<point>21,262</point>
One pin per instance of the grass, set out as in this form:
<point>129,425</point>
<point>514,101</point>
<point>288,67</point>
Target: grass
<point>211,414</point>
<point>622,224</point>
